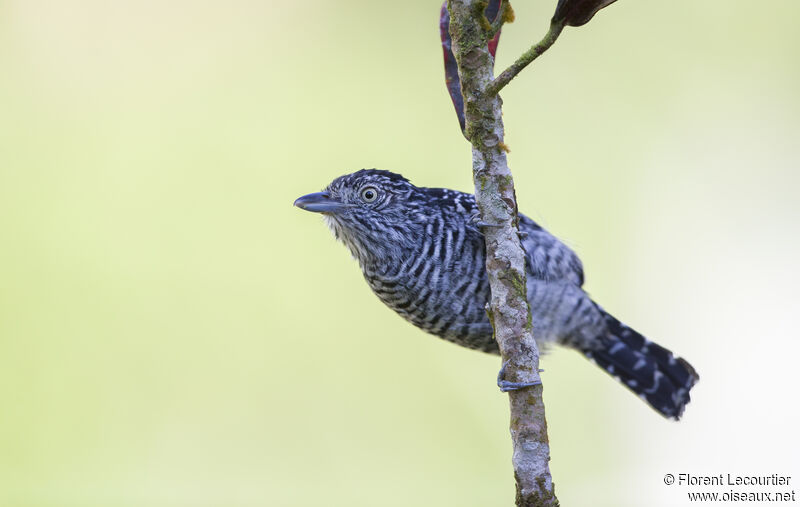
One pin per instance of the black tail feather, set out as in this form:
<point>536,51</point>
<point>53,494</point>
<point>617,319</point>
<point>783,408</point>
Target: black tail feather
<point>648,369</point>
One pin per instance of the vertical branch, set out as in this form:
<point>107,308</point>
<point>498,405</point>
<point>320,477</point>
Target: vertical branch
<point>505,258</point>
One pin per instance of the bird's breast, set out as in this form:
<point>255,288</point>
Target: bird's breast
<point>440,287</point>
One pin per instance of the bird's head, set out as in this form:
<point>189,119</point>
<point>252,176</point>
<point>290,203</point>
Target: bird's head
<point>373,212</point>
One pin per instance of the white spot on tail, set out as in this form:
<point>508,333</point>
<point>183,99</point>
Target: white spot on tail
<point>656,380</point>
<point>679,396</point>
<point>616,348</point>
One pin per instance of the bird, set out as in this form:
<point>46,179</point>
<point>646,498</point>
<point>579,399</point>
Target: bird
<point>422,252</point>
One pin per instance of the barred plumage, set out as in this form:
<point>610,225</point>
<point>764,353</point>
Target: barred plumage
<point>422,253</point>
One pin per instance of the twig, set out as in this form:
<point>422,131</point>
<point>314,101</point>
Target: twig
<point>527,57</point>
<point>505,259</point>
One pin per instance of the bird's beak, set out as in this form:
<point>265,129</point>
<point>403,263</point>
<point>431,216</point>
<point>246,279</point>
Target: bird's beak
<point>319,202</point>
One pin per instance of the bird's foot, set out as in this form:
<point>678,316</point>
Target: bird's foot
<point>487,224</point>
<point>506,385</point>
<point>480,224</point>
<point>475,218</point>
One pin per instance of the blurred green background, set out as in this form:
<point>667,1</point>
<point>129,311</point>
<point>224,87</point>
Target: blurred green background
<point>174,333</point>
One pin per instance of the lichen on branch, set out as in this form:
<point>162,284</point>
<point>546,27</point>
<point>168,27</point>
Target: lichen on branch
<point>505,259</point>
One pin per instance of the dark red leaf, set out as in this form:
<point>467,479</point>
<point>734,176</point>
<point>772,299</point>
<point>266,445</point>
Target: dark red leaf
<point>578,12</point>
<point>491,13</point>
<point>450,67</point>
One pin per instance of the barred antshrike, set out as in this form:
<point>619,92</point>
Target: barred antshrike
<point>422,252</point>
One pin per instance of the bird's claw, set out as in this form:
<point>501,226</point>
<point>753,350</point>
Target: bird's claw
<point>475,218</point>
<point>506,385</point>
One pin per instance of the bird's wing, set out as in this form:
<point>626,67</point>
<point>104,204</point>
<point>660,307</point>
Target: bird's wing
<point>549,258</point>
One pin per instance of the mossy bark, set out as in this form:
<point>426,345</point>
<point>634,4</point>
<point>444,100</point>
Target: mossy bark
<point>505,258</point>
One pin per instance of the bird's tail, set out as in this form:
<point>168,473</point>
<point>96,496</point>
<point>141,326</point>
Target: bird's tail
<point>646,368</point>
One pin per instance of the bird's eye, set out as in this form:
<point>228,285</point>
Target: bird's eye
<point>369,194</point>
